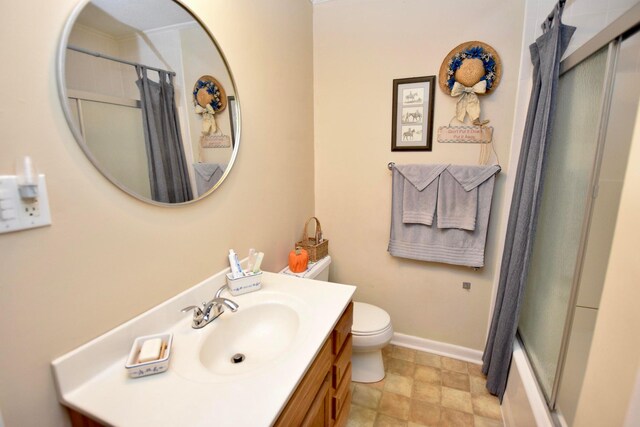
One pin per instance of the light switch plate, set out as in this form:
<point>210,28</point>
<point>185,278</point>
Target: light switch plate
<point>17,213</point>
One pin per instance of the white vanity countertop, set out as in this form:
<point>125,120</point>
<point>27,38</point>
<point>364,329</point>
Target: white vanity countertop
<point>92,379</point>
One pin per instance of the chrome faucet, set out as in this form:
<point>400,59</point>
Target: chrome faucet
<point>210,310</point>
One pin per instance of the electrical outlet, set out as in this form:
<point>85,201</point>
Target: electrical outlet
<point>32,209</point>
<point>466,285</point>
<point>17,213</point>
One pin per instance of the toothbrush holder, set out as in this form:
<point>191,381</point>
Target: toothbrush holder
<point>248,282</point>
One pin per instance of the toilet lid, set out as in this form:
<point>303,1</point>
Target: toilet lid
<point>369,319</point>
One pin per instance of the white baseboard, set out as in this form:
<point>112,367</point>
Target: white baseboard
<point>437,347</point>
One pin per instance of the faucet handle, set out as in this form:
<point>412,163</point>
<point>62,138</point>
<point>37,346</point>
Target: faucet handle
<point>197,310</point>
<point>231,304</point>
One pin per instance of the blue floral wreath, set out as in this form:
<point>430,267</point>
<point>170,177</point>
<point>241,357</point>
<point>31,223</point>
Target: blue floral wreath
<point>473,52</point>
<point>212,89</point>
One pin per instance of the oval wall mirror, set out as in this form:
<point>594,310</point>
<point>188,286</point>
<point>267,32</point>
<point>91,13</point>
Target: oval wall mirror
<point>150,98</point>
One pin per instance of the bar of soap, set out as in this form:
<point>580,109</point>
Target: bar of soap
<point>150,350</point>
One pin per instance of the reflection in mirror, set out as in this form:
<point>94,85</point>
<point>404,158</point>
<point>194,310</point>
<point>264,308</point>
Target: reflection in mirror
<point>150,98</point>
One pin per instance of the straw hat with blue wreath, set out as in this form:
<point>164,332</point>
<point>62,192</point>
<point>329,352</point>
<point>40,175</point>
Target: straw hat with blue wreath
<point>209,98</point>
<point>470,70</point>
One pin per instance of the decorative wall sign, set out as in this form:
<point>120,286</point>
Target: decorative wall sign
<point>468,134</point>
<point>412,114</point>
<point>215,141</point>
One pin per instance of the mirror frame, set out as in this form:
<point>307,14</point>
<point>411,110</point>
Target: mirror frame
<point>62,93</point>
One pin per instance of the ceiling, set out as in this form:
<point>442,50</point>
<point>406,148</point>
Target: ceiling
<point>120,18</point>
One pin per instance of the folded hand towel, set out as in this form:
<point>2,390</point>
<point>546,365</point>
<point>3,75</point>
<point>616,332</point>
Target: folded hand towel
<point>419,198</point>
<point>448,245</point>
<point>458,195</point>
<point>207,175</point>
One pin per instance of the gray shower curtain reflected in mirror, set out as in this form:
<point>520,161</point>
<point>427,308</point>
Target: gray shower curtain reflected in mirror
<point>168,173</point>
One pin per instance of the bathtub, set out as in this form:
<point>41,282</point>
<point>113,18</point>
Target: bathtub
<point>523,404</point>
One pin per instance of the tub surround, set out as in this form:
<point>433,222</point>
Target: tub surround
<point>523,403</point>
<point>92,380</point>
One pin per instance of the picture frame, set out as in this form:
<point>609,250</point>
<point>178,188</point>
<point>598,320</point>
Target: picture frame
<point>231,102</point>
<point>412,114</point>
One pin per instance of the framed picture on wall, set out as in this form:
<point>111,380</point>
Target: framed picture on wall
<point>231,102</point>
<point>412,114</point>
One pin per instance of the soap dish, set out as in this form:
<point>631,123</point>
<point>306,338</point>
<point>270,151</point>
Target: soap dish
<point>158,366</point>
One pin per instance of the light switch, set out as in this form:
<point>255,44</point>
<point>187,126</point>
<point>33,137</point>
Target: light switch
<point>7,214</point>
<point>17,213</point>
<point>7,204</point>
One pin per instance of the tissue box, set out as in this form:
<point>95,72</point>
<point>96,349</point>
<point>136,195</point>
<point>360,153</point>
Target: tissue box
<point>136,369</point>
<point>247,283</point>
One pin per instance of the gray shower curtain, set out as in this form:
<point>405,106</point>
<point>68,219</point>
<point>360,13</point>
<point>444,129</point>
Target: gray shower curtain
<point>168,172</point>
<point>546,53</point>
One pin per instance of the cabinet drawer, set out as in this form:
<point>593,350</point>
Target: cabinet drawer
<point>342,394</point>
<point>343,328</point>
<point>343,416</point>
<point>341,363</point>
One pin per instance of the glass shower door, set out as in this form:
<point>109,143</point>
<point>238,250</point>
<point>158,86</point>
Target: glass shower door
<point>115,136</point>
<point>573,149</point>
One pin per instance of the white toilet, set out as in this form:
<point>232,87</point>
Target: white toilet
<point>371,330</point>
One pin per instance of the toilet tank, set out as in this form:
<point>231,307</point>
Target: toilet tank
<point>316,271</point>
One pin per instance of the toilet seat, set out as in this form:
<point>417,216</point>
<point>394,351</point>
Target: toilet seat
<point>371,334</point>
<point>369,320</point>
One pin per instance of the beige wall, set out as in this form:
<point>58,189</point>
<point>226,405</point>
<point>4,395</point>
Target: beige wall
<point>614,359</point>
<point>108,257</point>
<point>359,48</point>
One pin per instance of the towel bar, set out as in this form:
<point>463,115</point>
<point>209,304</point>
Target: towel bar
<point>390,166</point>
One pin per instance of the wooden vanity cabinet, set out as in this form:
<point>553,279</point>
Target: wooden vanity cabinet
<point>80,420</point>
<point>323,397</point>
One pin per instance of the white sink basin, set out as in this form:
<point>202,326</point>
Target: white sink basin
<point>261,333</point>
<point>265,329</point>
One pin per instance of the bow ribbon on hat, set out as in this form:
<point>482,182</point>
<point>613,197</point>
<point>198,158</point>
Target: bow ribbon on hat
<point>208,118</point>
<point>468,102</point>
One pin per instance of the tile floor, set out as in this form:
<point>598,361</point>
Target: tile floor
<point>423,389</point>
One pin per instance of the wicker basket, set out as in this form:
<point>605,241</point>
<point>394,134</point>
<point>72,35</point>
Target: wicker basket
<point>316,246</point>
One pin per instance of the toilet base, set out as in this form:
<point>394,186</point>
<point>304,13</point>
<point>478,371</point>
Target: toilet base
<point>367,366</point>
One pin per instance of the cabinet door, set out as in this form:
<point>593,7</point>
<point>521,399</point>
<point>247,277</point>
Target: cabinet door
<point>296,410</point>
<point>319,414</point>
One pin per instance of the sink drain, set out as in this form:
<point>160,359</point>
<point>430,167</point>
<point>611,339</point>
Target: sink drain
<point>237,358</point>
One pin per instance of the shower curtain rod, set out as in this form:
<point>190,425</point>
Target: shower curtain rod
<point>111,58</point>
